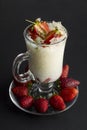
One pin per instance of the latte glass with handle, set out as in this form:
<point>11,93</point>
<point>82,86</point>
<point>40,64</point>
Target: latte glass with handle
<point>45,63</point>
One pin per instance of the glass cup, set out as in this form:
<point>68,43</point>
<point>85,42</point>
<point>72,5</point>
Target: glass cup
<point>45,64</point>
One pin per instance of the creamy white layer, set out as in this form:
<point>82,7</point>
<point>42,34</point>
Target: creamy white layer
<point>46,61</point>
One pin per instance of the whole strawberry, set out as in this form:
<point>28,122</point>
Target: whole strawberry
<point>68,94</point>
<point>41,105</point>
<point>57,102</point>
<point>20,91</point>
<point>65,71</point>
<point>69,82</point>
<point>26,101</point>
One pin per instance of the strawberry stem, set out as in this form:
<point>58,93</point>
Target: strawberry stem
<point>30,21</point>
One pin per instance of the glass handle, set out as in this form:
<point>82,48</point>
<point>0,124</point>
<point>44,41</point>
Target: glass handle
<point>16,67</point>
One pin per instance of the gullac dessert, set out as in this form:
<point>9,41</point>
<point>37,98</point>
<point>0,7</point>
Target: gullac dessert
<point>45,43</point>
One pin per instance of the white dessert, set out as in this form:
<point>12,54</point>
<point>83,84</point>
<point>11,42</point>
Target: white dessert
<point>46,61</point>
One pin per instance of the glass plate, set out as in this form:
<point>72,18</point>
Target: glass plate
<point>50,111</point>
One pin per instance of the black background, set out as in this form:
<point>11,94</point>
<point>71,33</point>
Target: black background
<point>73,14</point>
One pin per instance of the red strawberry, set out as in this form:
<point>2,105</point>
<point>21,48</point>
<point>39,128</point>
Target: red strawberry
<point>68,94</point>
<point>39,28</point>
<point>49,36</point>
<point>65,71</point>
<point>20,91</point>
<point>57,102</point>
<point>68,82</point>
<point>32,32</point>
<point>39,31</point>
<point>52,34</point>
<point>26,101</point>
<point>44,26</point>
<point>41,105</point>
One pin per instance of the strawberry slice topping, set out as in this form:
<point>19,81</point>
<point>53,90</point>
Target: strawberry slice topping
<point>50,35</point>
<point>42,30</point>
<point>44,26</point>
<point>32,33</point>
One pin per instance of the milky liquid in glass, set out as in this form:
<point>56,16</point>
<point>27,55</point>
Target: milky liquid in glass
<point>46,61</point>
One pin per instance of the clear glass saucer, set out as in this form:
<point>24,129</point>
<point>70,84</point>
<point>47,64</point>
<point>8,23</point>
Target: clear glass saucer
<point>32,110</point>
